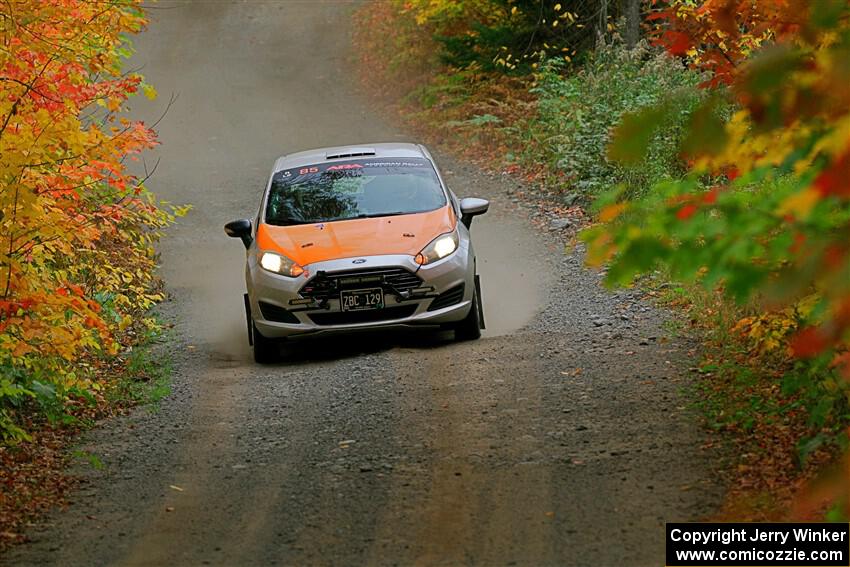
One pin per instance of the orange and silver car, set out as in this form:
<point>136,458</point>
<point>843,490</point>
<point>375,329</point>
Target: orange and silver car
<point>352,238</point>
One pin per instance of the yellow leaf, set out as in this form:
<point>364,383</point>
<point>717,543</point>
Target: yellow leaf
<point>799,204</point>
<point>149,91</point>
<point>611,212</point>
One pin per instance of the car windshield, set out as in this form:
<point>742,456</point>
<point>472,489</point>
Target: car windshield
<point>353,189</point>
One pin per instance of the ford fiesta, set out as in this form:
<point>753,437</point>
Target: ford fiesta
<point>353,238</point>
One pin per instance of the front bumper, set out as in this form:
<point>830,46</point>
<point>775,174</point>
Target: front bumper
<point>279,309</point>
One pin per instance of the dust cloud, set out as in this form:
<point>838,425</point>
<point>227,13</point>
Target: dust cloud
<point>210,282</point>
<point>513,280</point>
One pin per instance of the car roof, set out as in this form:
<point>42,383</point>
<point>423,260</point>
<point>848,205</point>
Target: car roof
<point>343,153</point>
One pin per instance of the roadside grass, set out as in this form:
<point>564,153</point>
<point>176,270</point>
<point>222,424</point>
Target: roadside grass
<point>92,459</point>
<point>146,378</point>
<point>33,472</point>
<point>782,420</point>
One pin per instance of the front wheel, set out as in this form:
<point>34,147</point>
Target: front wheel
<point>469,329</point>
<point>265,349</point>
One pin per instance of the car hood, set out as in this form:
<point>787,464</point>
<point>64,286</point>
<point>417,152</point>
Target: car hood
<point>401,234</point>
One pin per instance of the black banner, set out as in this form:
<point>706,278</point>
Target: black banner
<point>758,545</point>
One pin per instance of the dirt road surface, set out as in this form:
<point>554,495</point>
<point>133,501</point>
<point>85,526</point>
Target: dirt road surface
<point>560,438</point>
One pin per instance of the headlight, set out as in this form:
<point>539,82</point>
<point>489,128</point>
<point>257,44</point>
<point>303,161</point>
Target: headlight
<point>438,249</point>
<point>280,265</point>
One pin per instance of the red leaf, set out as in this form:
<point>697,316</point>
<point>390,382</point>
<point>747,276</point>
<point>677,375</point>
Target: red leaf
<point>834,256</point>
<point>686,212</point>
<point>809,342</point>
<point>835,179</point>
<point>676,42</point>
<point>665,15</point>
<point>7,308</point>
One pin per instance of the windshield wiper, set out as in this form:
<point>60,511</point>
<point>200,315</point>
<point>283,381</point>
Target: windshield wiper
<point>286,221</point>
<point>390,214</point>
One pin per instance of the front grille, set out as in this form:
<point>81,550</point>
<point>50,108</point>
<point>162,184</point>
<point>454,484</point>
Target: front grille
<point>447,298</point>
<point>369,316</point>
<point>276,313</point>
<point>325,285</point>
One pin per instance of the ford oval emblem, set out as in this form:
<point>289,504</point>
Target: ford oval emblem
<point>359,261</point>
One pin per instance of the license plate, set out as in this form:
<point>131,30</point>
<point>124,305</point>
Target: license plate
<point>360,299</point>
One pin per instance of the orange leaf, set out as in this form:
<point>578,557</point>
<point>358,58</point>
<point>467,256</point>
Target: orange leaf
<point>611,212</point>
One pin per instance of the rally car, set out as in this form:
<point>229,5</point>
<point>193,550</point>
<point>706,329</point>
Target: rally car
<point>352,238</point>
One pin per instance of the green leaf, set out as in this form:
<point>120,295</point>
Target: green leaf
<point>706,134</point>
<point>807,446</point>
<point>641,254</point>
<point>44,391</point>
<point>632,136</point>
<point>825,14</point>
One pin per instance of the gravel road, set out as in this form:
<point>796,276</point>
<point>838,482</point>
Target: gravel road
<point>561,438</point>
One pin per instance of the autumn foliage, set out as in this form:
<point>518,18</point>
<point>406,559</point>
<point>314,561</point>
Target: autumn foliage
<point>76,227</point>
<point>765,210</point>
<point>510,36</point>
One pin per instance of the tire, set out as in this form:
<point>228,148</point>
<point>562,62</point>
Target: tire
<point>469,329</point>
<point>266,350</point>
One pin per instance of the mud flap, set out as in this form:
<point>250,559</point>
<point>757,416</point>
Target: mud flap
<point>248,319</point>
<point>480,303</point>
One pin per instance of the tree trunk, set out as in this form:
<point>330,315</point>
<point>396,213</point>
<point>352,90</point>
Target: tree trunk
<point>631,10</point>
<point>603,23</point>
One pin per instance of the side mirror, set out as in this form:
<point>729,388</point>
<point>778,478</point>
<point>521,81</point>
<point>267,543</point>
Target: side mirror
<point>471,207</point>
<point>240,229</point>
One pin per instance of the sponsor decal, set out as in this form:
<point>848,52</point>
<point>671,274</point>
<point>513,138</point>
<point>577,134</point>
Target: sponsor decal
<point>345,166</point>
